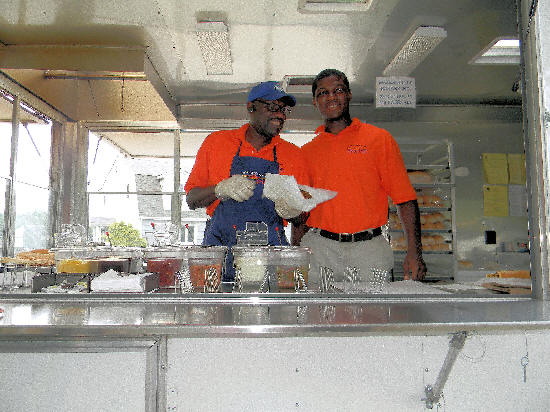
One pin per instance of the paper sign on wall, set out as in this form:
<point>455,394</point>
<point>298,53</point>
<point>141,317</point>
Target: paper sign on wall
<point>495,168</point>
<point>395,91</point>
<point>495,200</point>
<point>516,168</point>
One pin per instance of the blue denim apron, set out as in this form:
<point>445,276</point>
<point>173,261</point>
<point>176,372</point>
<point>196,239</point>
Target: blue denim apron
<point>230,215</point>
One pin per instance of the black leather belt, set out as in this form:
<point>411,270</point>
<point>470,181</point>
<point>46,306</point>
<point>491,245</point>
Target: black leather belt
<point>352,237</point>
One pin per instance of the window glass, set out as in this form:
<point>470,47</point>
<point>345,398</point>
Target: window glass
<point>31,188</point>
<point>108,169</point>
<point>144,213</point>
<point>195,220</point>
<point>2,205</point>
<point>110,172</point>
<point>5,144</point>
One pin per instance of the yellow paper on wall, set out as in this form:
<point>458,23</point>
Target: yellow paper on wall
<point>516,168</point>
<point>495,200</point>
<point>495,168</point>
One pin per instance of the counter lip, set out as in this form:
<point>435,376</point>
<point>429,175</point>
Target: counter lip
<point>376,317</point>
<point>38,333</point>
<point>235,298</point>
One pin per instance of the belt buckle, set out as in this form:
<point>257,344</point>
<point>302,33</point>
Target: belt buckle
<point>346,237</point>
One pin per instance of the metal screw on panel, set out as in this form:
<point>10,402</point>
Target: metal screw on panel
<point>428,390</point>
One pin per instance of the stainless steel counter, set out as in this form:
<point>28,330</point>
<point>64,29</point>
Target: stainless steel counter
<point>251,316</point>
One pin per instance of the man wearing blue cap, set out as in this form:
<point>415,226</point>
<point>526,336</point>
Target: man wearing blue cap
<point>228,175</point>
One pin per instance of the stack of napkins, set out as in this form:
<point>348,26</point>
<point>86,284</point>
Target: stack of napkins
<point>299,197</point>
<point>113,281</point>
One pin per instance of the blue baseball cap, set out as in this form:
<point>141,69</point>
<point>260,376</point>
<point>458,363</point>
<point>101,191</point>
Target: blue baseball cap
<point>271,91</point>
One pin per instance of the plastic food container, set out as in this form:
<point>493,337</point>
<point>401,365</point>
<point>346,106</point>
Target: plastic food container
<point>271,268</point>
<point>166,268</point>
<point>290,264</point>
<point>163,252</point>
<point>204,265</point>
<point>133,256</point>
<point>251,274</point>
<point>118,264</point>
<point>77,253</point>
<point>83,266</point>
<point>166,262</point>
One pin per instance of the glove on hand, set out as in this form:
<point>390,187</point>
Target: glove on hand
<point>236,187</point>
<point>285,211</point>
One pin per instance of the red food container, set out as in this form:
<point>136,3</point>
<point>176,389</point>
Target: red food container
<point>205,267</point>
<point>166,268</point>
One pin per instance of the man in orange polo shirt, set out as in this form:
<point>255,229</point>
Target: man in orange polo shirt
<point>364,165</point>
<point>228,175</point>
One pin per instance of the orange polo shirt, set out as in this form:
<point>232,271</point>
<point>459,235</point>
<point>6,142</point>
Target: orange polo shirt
<point>213,162</point>
<point>364,165</point>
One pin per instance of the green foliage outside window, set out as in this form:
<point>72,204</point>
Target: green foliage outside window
<point>124,234</point>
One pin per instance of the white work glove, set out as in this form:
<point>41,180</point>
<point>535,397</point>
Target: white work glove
<point>236,187</point>
<point>284,210</point>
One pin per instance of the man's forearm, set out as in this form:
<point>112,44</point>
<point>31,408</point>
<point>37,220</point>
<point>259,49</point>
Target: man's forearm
<point>298,231</point>
<point>413,266</point>
<point>200,197</point>
<point>300,219</point>
<point>410,219</point>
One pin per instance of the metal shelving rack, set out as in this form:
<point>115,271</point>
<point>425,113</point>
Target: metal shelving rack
<point>437,158</point>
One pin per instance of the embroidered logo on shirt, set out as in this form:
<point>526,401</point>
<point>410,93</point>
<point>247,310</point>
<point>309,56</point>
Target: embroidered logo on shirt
<point>258,177</point>
<point>357,148</point>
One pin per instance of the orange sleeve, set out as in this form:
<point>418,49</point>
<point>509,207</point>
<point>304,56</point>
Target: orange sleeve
<point>211,164</point>
<point>292,162</point>
<point>394,174</point>
<point>213,160</point>
<point>199,173</point>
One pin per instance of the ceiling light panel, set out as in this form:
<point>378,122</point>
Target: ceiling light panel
<point>213,40</point>
<point>334,6</point>
<point>421,43</point>
<point>500,51</point>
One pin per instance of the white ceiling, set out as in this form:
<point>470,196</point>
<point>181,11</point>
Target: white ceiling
<point>269,39</point>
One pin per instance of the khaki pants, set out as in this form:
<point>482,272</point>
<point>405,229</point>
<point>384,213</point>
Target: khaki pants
<point>340,256</point>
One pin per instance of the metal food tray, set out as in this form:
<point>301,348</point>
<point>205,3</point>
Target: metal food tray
<point>43,280</point>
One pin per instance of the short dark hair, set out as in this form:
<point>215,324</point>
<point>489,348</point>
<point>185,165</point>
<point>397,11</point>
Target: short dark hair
<point>327,73</point>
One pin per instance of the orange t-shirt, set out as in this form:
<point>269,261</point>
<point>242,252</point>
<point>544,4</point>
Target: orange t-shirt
<point>213,162</point>
<point>364,165</point>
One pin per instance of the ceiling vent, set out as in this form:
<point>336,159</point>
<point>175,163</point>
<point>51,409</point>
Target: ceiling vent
<point>213,40</point>
<point>297,83</point>
<point>415,50</point>
<point>334,6</point>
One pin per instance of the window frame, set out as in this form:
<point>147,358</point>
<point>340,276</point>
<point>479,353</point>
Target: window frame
<point>537,154</point>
